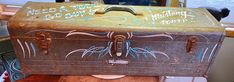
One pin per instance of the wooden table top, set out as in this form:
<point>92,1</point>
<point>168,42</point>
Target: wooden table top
<point>48,78</point>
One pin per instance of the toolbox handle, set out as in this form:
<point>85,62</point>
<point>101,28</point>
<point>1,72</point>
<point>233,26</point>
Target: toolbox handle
<point>118,8</point>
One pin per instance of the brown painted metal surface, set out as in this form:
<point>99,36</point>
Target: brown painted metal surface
<point>90,39</point>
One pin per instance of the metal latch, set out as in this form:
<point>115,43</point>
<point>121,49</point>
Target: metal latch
<point>118,45</point>
<point>43,41</point>
<point>191,43</point>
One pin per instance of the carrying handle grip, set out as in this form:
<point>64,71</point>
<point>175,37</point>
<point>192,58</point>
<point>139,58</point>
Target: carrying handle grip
<point>118,8</point>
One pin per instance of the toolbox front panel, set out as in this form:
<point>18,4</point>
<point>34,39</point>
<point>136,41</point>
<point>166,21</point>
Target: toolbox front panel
<point>88,53</point>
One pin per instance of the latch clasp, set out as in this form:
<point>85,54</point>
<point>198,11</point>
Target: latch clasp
<point>118,45</point>
<point>191,43</point>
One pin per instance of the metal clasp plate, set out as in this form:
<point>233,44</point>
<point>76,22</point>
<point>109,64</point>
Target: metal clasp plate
<point>191,43</point>
<point>118,46</point>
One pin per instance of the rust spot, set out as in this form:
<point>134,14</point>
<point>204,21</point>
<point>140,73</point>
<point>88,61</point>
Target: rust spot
<point>191,43</point>
<point>43,40</point>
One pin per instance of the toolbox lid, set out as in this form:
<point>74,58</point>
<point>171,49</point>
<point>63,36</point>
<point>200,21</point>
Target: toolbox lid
<point>67,16</point>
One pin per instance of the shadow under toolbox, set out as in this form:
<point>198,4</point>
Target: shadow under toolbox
<point>89,39</point>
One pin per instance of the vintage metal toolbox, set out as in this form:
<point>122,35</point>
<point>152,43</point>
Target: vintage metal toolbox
<point>88,39</point>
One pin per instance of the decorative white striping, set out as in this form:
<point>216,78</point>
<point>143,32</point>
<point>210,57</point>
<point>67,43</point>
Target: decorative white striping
<point>22,48</point>
<point>82,33</point>
<point>34,50</point>
<point>10,65</point>
<point>13,66</point>
<point>127,47</point>
<point>100,50</point>
<point>204,54</point>
<point>87,50</point>
<point>129,35</point>
<point>92,50</point>
<point>109,51</point>
<point>29,51</point>
<point>78,50</point>
<point>150,52</point>
<point>159,52</point>
<point>212,52</point>
<point>207,40</point>
<point>108,35</point>
<point>111,34</point>
<point>157,35</point>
